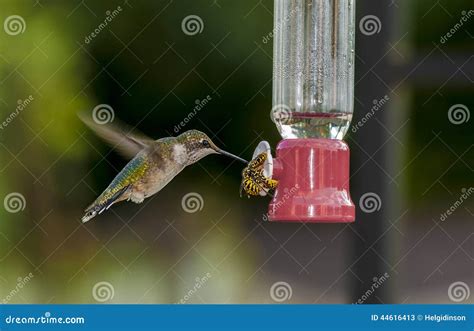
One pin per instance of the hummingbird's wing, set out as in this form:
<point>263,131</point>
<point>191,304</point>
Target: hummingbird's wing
<point>119,135</point>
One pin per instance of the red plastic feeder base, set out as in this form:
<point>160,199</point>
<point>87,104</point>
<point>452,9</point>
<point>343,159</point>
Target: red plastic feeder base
<point>313,182</point>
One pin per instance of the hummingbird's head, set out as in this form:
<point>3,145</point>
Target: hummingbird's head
<point>199,145</point>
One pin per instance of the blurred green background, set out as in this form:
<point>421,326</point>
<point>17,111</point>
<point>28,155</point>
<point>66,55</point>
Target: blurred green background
<point>151,74</point>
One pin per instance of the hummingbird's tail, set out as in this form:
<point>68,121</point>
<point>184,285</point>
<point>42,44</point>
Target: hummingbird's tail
<point>103,203</point>
<point>89,214</point>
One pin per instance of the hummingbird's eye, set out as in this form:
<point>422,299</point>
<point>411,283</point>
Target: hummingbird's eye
<point>205,143</point>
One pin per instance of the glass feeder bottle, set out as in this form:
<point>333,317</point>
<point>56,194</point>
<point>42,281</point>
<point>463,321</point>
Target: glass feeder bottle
<point>313,92</point>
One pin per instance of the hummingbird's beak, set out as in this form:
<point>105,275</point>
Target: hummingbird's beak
<point>235,157</point>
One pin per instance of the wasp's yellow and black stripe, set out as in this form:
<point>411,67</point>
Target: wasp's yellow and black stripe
<point>253,179</point>
<point>258,162</point>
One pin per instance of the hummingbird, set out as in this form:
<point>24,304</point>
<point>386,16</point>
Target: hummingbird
<point>153,164</point>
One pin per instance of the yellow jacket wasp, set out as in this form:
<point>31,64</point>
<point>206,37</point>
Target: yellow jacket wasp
<point>253,179</point>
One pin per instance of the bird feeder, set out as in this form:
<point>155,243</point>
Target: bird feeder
<point>313,87</point>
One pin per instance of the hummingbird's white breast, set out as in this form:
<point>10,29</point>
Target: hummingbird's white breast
<point>180,154</point>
